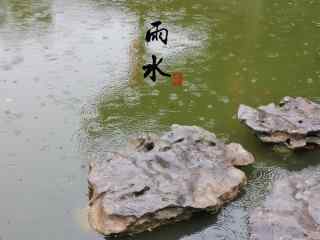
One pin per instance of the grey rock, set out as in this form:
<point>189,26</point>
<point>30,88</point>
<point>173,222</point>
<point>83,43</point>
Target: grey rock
<point>160,180</point>
<point>295,122</point>
<point>291,210</point>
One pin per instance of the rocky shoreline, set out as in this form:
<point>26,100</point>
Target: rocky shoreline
<point>157,180</point>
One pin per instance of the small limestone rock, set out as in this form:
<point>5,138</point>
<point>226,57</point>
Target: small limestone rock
<point>163,180</point>
<point>295,122</point>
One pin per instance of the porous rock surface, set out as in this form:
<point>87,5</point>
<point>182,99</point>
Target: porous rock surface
<point>163,180</point>
<point>295,122</point>
<point>291,211</point>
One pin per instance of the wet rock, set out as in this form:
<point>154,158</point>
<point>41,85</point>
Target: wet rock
<point>295,122</point>
<point>291,211</point>
<point>163,180</point>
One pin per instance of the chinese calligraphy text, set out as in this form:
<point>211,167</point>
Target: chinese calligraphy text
<point>154,34</point>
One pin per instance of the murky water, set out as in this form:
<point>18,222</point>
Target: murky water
<point>71,86</point>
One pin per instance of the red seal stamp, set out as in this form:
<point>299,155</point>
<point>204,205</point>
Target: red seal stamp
<point>177,78</point>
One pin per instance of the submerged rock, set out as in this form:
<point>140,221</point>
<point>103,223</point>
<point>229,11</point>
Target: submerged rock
<point>163,180</point>
<point>291,211</point>
<point>295,122</point>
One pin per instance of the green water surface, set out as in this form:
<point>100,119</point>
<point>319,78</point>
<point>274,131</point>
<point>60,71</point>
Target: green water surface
<point>72,87</point>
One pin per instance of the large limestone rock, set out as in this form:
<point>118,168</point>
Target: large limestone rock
<point>163,180</point>
<point>291,211</point>
<point>295,122</point>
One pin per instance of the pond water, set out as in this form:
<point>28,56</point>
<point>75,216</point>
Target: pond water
<point>71,87</point>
